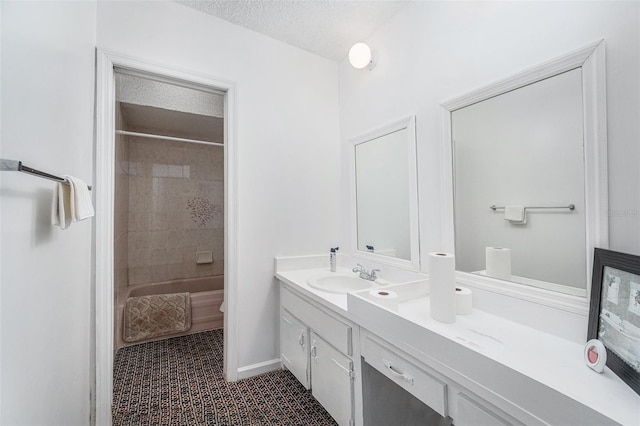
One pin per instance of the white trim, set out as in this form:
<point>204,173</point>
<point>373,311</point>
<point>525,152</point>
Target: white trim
<point>104,223</point>
<point>104,228</point>
<point>591,60</point>
<point>231,197</point>
<point>530,282</point>
<point>408,123</point>
<point>1,345</point>
<point>259,368</point>
<point>595,154</point>
<point>572,60</point>
<point>565,302</point>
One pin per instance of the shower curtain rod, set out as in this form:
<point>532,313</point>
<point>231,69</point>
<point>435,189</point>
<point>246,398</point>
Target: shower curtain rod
<point>168,138</point>
<point>17,166</point>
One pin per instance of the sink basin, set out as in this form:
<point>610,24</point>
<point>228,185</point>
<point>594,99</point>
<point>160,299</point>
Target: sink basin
<point>333,282</point>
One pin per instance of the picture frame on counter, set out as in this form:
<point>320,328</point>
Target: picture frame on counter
<point>614,312</point>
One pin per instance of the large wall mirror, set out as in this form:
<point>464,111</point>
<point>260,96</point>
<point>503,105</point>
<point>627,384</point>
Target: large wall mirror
<point>385,195</point>
<point>528,175</point>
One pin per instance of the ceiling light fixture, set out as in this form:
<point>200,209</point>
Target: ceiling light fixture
<point>360,56</point>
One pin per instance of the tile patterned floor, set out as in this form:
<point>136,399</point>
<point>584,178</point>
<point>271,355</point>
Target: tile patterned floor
<point>179,382</point>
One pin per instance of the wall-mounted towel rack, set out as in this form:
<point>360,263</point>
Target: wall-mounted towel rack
<point>570,207</point>
<point>17,166</point>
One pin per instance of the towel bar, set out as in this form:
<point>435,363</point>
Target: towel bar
<point>17,166</point>
<point>570,207</point>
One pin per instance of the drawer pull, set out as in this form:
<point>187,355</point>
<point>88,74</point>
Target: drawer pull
<point>397,373</point>
<point>301,339</point>
<point>314,351</point>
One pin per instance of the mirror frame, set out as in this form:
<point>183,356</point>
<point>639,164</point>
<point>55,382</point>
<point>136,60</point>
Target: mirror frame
<point>591,61</point>
<point>409,124</point>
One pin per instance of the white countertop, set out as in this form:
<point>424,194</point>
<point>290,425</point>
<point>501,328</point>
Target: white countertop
<point>550,360</point>
<point>555,362</point>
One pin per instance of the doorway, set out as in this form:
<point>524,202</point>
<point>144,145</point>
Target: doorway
<point>109,272</point>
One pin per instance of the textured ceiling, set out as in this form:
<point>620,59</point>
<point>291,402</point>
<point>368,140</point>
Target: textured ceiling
<point>326,27</point>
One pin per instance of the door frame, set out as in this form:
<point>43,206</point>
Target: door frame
<point>104,220</point>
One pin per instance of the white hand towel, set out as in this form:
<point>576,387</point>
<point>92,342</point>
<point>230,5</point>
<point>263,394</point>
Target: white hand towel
<point>515,214</point>
<point>81,205</point>
<point>61,206</point>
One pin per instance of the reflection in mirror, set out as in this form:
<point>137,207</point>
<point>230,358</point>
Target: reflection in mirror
<point>382,195</point>
<point>385,195</point>
<point>529,175</point>
<point>516,151</point>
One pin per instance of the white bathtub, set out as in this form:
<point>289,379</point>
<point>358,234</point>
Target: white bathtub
<point>207,294</point>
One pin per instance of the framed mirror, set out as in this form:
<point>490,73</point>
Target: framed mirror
<point>385,196</point>
<point>527,177</point>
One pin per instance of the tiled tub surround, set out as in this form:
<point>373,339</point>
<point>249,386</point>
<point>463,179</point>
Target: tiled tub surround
<point>176,207</point>
<point>206,293</point>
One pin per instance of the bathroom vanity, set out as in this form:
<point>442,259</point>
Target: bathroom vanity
<point>319,344</point>
<point>482,369</point>
<point>517,358</point>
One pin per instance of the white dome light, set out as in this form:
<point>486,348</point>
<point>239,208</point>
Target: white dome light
<point>360,56</point>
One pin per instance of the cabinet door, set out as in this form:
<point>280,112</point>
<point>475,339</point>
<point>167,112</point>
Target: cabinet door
<point>294,344</point>
<point>331,380</point>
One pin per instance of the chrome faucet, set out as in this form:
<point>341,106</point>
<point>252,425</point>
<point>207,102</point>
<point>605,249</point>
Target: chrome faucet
<point>364,274</point>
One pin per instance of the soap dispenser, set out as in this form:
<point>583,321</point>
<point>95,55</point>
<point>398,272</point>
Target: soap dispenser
<point>332,258</point>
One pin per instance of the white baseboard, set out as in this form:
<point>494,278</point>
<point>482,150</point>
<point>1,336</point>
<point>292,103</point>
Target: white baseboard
<point>259,368</point>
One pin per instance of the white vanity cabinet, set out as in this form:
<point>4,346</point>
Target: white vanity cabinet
<point>317,347</point>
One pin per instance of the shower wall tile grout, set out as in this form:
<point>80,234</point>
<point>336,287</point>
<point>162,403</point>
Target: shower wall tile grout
<point>176,205</point>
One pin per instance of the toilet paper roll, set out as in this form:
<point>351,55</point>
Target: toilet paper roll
<point>463,301</point>
<point>386,298</point>
<point>498,262</point>
<point>442,284</point>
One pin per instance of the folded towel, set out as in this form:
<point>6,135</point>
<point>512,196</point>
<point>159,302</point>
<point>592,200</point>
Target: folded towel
<point>61,206</point>
<point>515,214</point>
<point>80,197</point>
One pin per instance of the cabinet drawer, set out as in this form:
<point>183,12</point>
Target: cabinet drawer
<point>473,413</point>
<point>414,380</point>
<point>334,331</point>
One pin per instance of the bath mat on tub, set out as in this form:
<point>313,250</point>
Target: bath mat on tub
<point>156,315</point>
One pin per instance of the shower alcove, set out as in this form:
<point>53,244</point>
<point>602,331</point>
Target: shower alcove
<point>169,202</point>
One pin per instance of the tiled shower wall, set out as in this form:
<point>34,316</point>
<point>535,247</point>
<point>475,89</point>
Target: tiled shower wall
<point>176,206</point>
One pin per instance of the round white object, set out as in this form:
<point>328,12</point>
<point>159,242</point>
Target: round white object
<point>360,55</point>
<point>595,355</point>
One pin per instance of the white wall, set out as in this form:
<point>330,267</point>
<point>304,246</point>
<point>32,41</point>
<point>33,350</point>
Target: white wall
<point>433,51</point>
<point>287,141</point>
<point>45,292</point>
